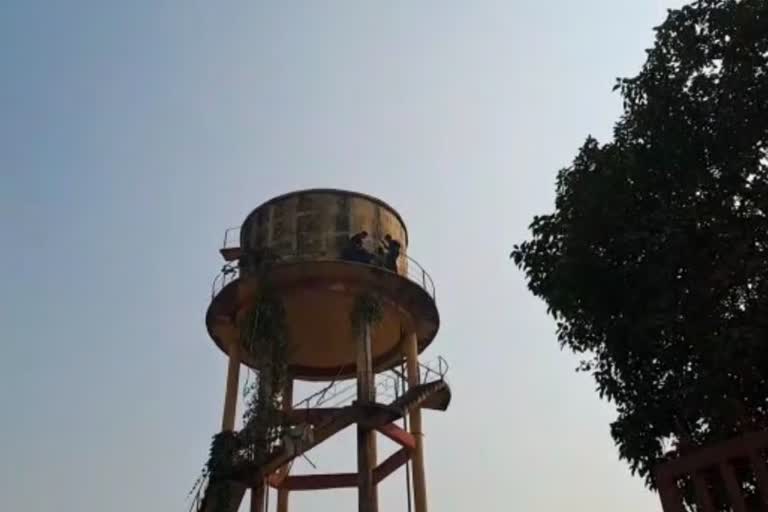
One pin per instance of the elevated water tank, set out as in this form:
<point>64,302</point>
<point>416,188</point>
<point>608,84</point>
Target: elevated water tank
<point>308,239</point>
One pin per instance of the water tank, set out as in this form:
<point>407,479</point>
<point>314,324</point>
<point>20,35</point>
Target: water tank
<point>317,270</point>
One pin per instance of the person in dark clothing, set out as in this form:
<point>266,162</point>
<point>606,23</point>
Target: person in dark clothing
<point>381,257</point>
<point>354,251</point>
<point>356,241</point>
<point>393,253</point>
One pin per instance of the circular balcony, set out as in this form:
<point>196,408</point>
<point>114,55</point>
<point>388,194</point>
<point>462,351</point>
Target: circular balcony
<point>318,291</point>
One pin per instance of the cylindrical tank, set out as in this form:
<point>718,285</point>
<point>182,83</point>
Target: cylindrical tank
<point>317,225</point>
<point>306,236</point>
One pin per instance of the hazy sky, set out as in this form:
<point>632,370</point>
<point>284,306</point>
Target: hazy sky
<point>133,133</point>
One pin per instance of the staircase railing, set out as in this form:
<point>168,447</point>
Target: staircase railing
<point>388,383</point>
<point>390,386</point>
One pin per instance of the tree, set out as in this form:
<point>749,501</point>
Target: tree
<point>654,263</point>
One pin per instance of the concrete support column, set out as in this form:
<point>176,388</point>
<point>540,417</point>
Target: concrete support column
<point>258,493</point>
<point>366,442</point>
<point>233,382</point>
<point>411,352</point>
<point>373,449</point>
<point>282,494</point>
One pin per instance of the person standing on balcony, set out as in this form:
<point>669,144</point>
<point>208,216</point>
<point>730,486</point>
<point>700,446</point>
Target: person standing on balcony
<point>354,251</point>
<point>393,253</point>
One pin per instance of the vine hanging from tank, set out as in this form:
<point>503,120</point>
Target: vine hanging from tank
<point>264,336</point>
<point>263,333</point>
<point>367,309</point>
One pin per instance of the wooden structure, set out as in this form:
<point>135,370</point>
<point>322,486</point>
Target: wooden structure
<point>306,237</point>
<point>731,475</point>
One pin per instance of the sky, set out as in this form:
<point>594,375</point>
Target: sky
<point>133,133</point>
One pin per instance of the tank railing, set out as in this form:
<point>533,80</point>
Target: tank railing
<point>420,276</point>
<point>413,272</point>
<point>413,269</point>
<point>226,275</point>
<point>231,237</point>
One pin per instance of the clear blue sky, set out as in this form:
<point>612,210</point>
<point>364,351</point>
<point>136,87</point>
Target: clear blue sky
<point>132,133</point>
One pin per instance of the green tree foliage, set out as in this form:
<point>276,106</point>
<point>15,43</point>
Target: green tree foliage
<point>655,261</point>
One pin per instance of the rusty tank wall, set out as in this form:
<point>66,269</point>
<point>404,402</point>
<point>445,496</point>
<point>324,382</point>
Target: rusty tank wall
<point>317,224</point>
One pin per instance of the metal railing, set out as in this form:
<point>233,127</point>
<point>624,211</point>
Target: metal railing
<point>387,385</point>
<point>231,237</point>
<point>226,275</point>
<point>416,273</point>
<point>433,370</point>
<point>411,269</point>
<point>390,385</point>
